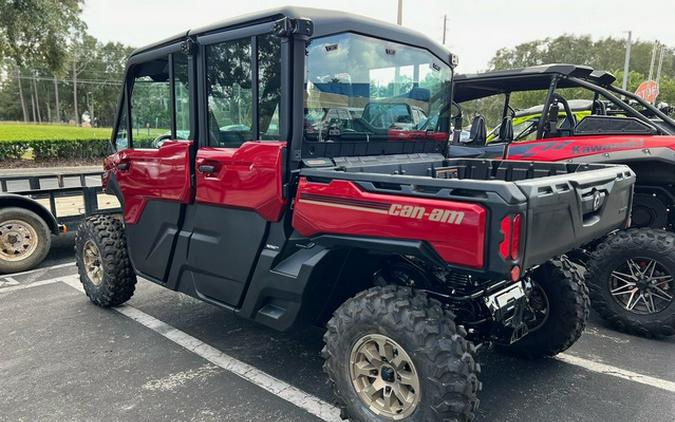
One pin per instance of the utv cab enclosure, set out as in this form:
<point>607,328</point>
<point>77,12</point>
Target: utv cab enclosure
<point>406,256</point>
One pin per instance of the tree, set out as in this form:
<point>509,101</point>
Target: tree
<point>38,30</point>
<point>35,31</point>
<point>603,54</point>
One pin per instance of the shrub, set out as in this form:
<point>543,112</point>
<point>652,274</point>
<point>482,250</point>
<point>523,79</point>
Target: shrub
<point>13,150</point>
<point>45,150</point>
<point>63,149</point>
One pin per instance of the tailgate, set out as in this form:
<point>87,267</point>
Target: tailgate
<point>567,211</point>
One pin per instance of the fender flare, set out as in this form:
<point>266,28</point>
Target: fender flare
<point>19,201</point>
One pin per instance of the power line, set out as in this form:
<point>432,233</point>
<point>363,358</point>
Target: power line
<point>83,81</point>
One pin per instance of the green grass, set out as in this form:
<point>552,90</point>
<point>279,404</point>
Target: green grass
<point>11,131</point>
<point>28,132</point>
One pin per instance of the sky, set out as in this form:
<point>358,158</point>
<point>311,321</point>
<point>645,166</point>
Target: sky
<point>476,28</point>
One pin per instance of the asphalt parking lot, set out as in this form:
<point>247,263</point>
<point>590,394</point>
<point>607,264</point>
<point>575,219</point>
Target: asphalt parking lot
<point>166,356</point>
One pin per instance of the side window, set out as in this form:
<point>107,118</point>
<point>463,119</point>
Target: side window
<point>230,101</point>
<point>151,104</point>
<point>269,91</point>
<point>122,136</point>
<point>235,114</point>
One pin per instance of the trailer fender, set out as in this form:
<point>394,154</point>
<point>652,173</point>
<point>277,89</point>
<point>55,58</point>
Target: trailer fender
<point>13,200</point>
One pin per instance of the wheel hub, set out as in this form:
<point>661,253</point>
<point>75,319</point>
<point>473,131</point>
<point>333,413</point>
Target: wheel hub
<point>91,258</point>
<point>18,240</point>
<point>384,377</point>
<point>388,374</point>
<point>642,286</point>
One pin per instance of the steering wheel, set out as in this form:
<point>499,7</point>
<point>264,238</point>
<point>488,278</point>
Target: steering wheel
<point>159,141</point>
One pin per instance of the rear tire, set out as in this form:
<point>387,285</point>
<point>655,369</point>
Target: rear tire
<point>565,297</point>
<point>102,261</point>
<point>612,256</point>
<point>408,326</point>
<point>25,239</point>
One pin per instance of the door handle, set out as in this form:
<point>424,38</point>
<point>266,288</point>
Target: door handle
<point>206,168</point>
<point>123,165</point>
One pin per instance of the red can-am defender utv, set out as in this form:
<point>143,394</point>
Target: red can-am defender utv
<point>630,274</point>
<point>408,257</point>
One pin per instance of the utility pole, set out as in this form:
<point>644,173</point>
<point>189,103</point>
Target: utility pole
<point>37,99</point>
<point>626,63</point>
<point>56,98</point>
<point>399,14</point>
<point>24,110</point>
<point>445,26</point>
<point>651,66</point>
<point>397,69</point>
<point>658,68</point>
<point>77,111</point>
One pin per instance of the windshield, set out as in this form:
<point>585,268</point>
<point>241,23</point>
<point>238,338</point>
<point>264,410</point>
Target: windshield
<point>360,88</point>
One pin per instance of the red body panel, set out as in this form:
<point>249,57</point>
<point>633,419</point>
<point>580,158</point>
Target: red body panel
<point>248,177</point>
<point>557,149</point>
<point>162,173</point>
<point>340,207</point>
<point>409,135</point>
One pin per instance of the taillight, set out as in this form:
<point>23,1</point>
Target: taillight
<point>505,245</point>
<point>511,227</point>
<point>515,235</point>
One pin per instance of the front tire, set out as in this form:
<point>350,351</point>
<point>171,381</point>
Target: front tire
<point>25,239</point>
<point>102,261</point>
<point>630,276</point>
<point>560,305</point>
<point>394,354</point>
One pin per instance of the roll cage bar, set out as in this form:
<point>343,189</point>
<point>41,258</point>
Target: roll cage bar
<point>552,77</point>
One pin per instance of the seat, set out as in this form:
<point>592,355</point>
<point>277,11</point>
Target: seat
<point>478,132</point>
<point>567,126</point>
<point>599,108</point>
<point>506,130</point>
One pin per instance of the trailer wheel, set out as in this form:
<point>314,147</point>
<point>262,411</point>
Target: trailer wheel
<point>102,261</point>
<point>25,239</point>
<point>394,354</point>
<point>631,280</point>
<point>560,304</point>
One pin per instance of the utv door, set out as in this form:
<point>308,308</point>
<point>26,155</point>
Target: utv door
<point>151,170</point>
<point>238,166</point>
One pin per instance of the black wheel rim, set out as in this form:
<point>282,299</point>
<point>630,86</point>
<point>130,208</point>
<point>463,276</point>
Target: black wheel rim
<point>642,286</point>
<point>539,306</point>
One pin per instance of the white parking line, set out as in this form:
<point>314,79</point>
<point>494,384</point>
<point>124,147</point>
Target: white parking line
<point>310,403</point>
<point>34,284</point>
<point>53,267</point>
<point>9,281</point>
<point>281,389</point>
<point>602,368</point>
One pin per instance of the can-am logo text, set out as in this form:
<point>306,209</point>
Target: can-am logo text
<point>438,215</point>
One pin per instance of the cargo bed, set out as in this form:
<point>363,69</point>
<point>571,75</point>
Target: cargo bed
<point>562,206</point>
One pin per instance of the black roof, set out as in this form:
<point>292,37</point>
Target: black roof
<point>479,85</point>
<point>326,22</point>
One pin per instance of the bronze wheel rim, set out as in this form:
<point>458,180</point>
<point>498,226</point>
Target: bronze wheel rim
<point>91,258</point>
<point>384,377</point>
<point>18,240</point>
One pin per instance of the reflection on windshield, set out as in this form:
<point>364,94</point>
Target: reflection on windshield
<point>359,88</point>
